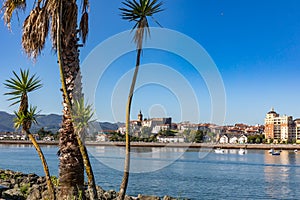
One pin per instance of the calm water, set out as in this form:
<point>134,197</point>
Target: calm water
<point>195,174</point>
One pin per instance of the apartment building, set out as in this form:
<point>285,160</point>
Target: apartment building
<point>281,128</point>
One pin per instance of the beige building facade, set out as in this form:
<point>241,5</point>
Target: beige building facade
<point>281,128</point>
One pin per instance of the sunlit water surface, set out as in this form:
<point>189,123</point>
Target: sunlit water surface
<point>179,172</point>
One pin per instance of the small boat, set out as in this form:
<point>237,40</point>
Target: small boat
<point>219,150</point>
<point>295,150</point>
<point>276,153</point>
<point>271,151</point>
<point>242,151</point>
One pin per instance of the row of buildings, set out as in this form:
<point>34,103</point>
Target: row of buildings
<point>281,128</point>
<point>223,134</point>
<point>276,128</point>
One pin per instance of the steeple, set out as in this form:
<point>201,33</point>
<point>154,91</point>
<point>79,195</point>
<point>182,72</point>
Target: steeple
<point>140,116</point>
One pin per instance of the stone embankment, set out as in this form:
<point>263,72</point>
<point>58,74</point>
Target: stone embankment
<point>19,186</point>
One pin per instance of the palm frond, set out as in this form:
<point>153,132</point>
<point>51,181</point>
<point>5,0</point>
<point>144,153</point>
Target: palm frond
<point>81,115</point>
<point>138,12</point>
<point>25,119</point>
<point>84,27</point>
<point>9,6</point>
<point>21,84</point>
<point>35,31</point>
<point>85,6</point>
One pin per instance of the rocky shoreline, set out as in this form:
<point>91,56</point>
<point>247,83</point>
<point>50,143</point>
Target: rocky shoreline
<point>20,186</point>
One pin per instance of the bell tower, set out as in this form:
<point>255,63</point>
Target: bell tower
<point>140,116</point>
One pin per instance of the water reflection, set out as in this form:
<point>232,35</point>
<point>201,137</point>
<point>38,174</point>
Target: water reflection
<point>145,159</point>
<point>278,171</point>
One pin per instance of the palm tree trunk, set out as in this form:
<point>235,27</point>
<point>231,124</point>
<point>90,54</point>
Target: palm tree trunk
<point>88,168</point>
<point>71,168</point>
<point>124,183</point>
<point>50,186</point>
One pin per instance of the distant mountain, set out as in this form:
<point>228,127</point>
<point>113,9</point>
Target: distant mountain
<point>49,122</point>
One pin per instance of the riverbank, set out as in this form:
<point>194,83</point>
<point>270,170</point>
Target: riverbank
<point>168,145</point>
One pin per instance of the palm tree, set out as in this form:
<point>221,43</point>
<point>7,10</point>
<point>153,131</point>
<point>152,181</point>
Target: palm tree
<point>19,88</point>
<point>46,16</point>
<point>137,12</point>
<point>82,117</point>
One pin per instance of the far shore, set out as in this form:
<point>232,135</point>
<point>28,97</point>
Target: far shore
<point>168,145</point>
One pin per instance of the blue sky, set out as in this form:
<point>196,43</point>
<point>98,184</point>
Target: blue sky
<point>254,44</point>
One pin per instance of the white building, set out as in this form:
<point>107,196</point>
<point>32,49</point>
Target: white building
<point>243,139</point>
<point>224,139</point>
<point>102,138</point>
<point>233,140</point>
<point>173,139</point>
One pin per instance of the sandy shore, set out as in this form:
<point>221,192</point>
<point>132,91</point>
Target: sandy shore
<point>169,145</point>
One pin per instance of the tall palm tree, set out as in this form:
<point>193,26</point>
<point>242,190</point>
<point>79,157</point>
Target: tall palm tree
<point>19,87</point>
<point>136,11</point>
<point>60,18</point>
<point>82,118</point>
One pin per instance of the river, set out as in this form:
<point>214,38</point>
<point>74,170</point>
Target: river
<point>178,172</point>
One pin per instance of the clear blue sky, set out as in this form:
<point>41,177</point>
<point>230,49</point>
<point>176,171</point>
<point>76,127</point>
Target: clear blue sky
<point>255,45</point>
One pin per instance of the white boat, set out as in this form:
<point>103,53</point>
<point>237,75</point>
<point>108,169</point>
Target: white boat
<point>295,150</point>
<point>271,151</point>
<point>242,151</point>
<point>219,150</point>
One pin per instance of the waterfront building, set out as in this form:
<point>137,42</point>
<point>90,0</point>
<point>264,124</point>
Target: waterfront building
<point>224,139</point>
<point>297,129</point>
<point>279,128</point>
<point>154,124</point>
<point>171,139</point>
<point>243,139</point>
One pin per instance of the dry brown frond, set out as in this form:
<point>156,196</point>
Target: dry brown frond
<point>35,31</point>
<point>9,6</point>
<point>85,6</point>
<point>69,20</point>
<point>84,27</point>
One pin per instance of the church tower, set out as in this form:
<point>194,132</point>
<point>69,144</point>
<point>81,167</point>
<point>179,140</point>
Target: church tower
<point>140,116</point>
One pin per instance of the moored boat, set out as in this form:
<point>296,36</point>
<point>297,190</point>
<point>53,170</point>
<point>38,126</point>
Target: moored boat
<point>276,153</point>
<point>242,151</point>
<point>219,150</point>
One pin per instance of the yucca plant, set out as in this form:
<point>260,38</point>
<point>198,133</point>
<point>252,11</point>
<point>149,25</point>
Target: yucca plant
<point>138,12</point>
<point>82,118</point>
<point>60,19</point>
<point>19,87</point>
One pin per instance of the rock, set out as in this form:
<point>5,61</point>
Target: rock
<point>6,184</point>
<point>113,194</point>
<point>41,180</point>
<point>13,194</point>
<point>13,181</point>
<point>129,198</point>
<point>107,196</point>
<point>145,197</point>
<point>169,198</point>
<point>34,194</point>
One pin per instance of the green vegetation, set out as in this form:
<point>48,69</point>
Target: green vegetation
<point>25,189</point>
<point>257,139</point>
<point>3,176</point>
<point>54,181</point>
